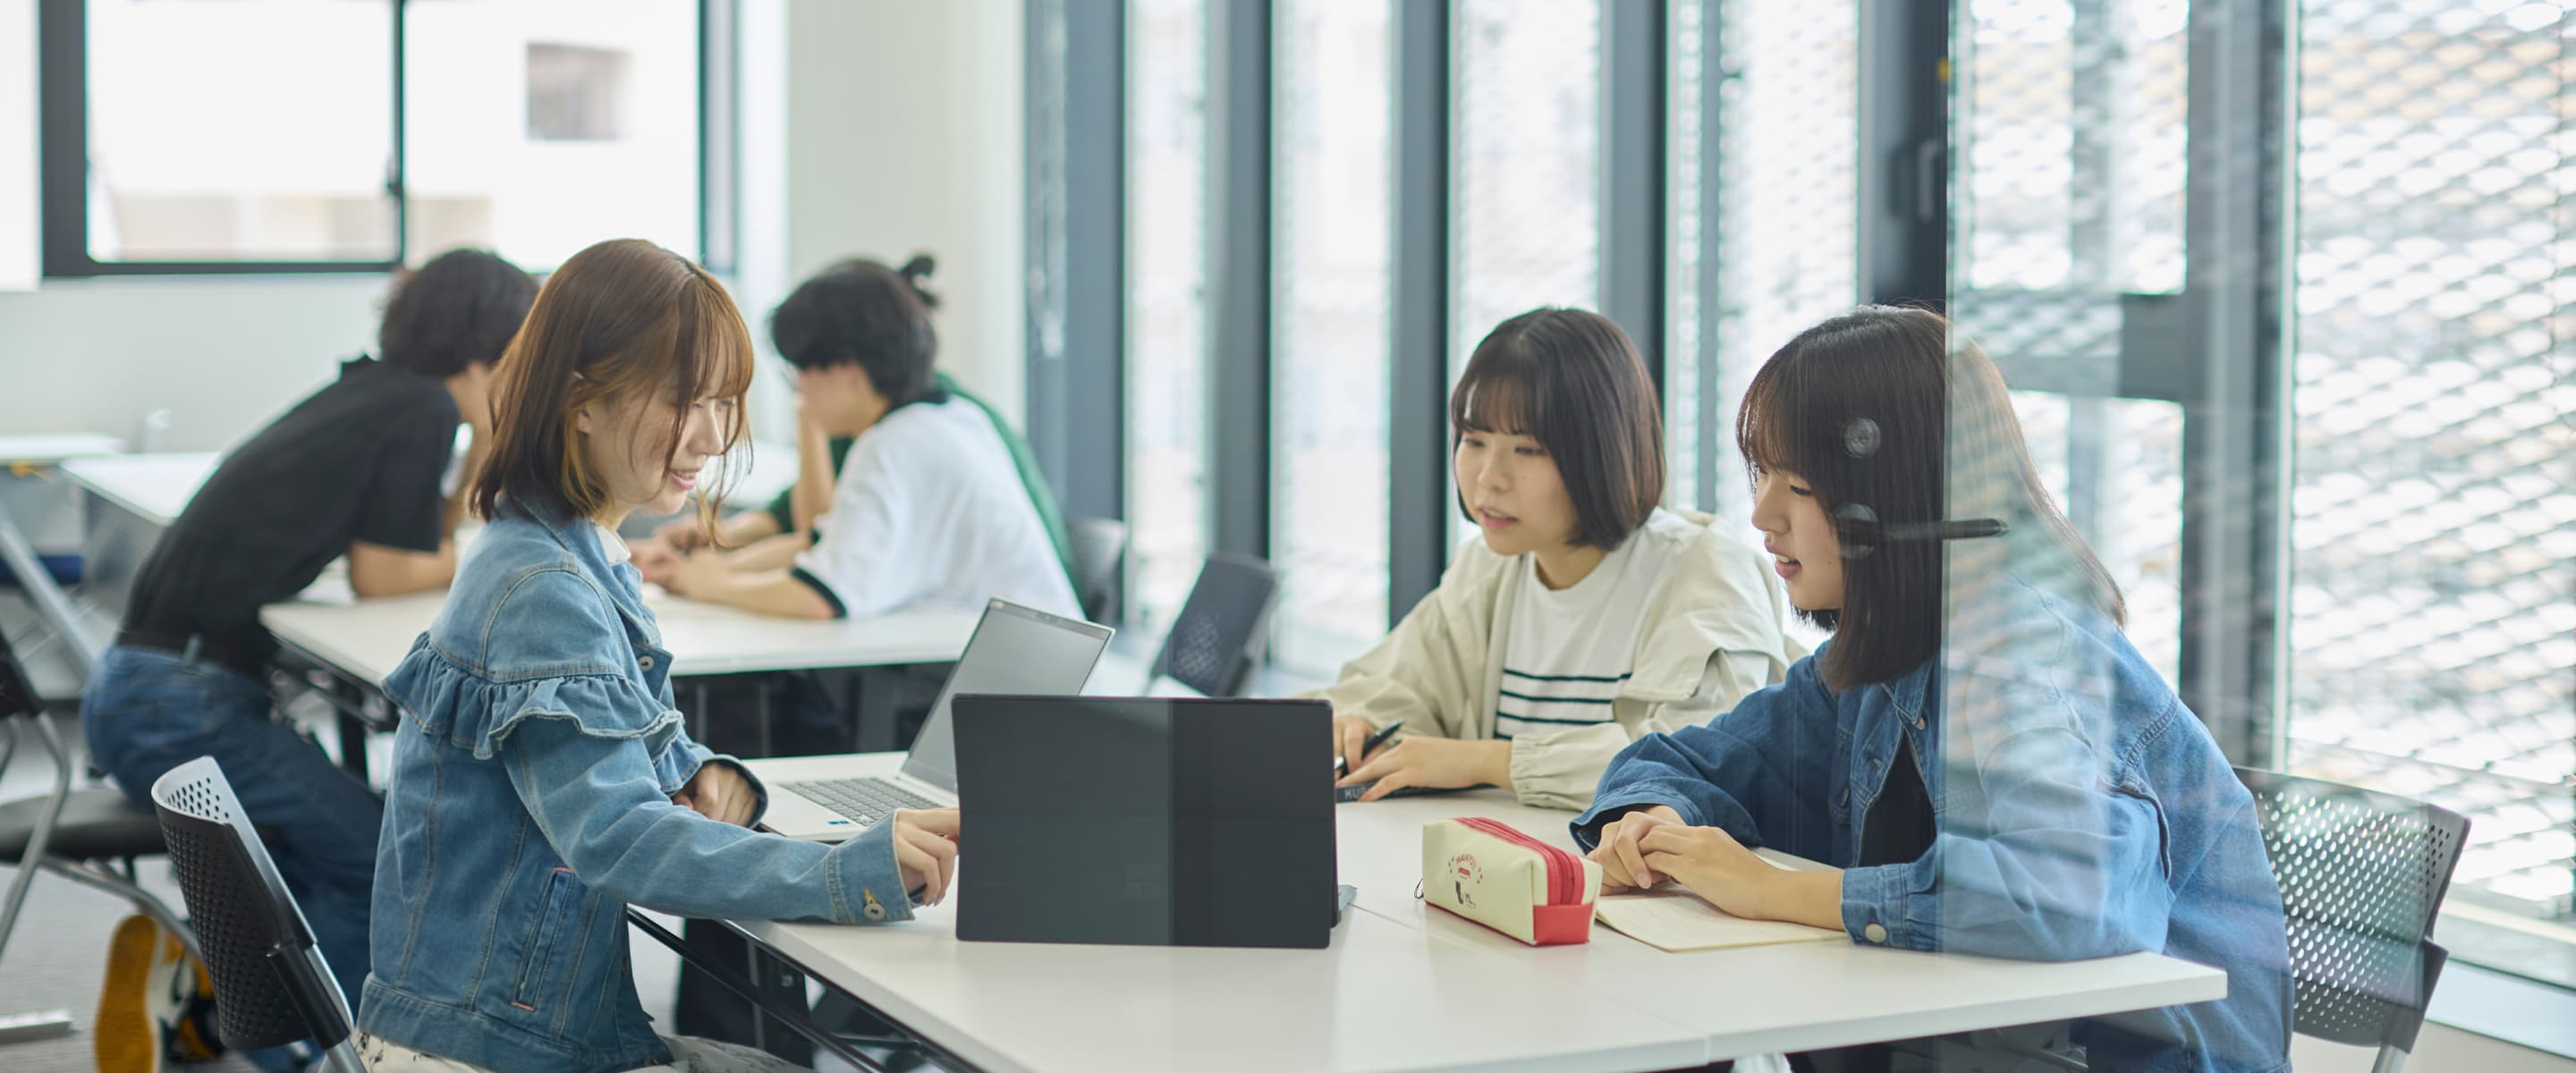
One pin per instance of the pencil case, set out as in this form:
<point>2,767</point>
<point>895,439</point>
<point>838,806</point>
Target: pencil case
<point>1490,872</point>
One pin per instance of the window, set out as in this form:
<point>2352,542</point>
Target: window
<point>2069,196</point>
<point>1787,245</point>
<point>1330,372</point>
<point>575,94</point>
<point>269,135</point>
<point>1167,432</point>
<point>203,125</point>
<point>2433,501</point>
<point>539,128</point>
<point>1527,125</point>
<point>1526,163</point>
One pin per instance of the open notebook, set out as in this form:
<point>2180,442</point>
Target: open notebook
<point>1678,920</point>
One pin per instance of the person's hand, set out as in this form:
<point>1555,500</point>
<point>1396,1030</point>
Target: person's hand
<point>1623,859</point>
<point>655,560</point>
<point>1350,735</point>
<point>697,574</point>
<point>925,849</point>
<point>1442,763</point>
<point>720,793</point>
<point>682,534</point>
<point>1714,866</point>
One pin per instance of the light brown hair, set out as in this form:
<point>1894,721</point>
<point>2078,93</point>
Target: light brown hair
<point>620,317</point>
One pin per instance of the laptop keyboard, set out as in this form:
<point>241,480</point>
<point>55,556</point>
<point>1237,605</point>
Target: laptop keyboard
<point>866,800</point>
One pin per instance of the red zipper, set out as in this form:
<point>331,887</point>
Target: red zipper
<point>1564,873</point>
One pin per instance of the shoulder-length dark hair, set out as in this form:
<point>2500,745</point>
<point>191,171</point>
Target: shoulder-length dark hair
<point>862,312</point>
<point>622,317</point>
<point>1571,380</point>
<point>1897,425</point>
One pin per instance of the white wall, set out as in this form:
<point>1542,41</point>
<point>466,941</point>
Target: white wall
<point>904,123</point>
<point>222,354</point>
<point>902,132</point>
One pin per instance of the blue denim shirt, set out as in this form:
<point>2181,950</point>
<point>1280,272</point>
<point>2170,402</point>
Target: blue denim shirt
<point>530,802</point>
<point>2080,810</point>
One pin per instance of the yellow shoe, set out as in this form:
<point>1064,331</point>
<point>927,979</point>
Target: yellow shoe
<point>143,1006</point>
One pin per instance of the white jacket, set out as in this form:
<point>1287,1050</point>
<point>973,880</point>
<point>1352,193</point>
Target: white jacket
<point>1711,636</point>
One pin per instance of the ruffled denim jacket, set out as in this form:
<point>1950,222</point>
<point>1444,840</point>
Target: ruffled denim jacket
<point>530,803</point>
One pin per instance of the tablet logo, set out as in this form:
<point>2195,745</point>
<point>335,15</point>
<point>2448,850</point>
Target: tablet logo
<point>1464,872</point>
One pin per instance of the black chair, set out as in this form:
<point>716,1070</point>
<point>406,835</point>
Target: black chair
<point>272,987</point>
<point>89,835</point>
<point>1099,553</point>
<point>1217,640</point>
<point>2362,876</point>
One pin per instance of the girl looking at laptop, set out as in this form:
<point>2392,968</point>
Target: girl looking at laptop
<point>1987,763</point>
<point>1583,614</point>
<point>541,778</point>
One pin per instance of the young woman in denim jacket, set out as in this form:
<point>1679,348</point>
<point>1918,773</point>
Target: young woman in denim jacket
<point>1979,752</point>
<point>541,780</point>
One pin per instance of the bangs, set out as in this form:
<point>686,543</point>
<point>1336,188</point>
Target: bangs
<point>1497,395</point>
<point>714,348</point>
<point>1767,427</point>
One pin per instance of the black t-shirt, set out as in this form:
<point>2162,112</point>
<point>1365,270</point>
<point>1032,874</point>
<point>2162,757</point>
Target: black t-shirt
<point>1899,828</point>
<point>358,460</point>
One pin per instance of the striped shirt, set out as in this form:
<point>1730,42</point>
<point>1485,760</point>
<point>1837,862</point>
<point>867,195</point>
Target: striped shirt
<point>1571,650</point>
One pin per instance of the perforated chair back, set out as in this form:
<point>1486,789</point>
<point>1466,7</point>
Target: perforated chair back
<point>1099,553</point>
<point>2362,875</point>
<point>272,986</point>
<point>1213,644</point>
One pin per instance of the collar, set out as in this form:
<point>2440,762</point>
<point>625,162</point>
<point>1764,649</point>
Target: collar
<point>613,546</point>
<point>1906,692</point>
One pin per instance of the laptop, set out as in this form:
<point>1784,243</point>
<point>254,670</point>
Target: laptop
<point>1014,649</point>
<point>1146,821</point>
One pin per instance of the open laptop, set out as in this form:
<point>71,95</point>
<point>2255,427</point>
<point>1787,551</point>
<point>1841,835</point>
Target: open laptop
<point>1184,822</point>
<point>1014,650</point>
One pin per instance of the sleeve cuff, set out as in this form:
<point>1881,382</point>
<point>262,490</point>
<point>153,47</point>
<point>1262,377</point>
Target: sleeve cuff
<point>1878,908</point>
<point>869,881</point>
<point>1608,806</point>
<point>759,789</point>
<point>839,609</point>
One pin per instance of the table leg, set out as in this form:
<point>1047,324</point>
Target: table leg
<point>779,985</point>
<point>783,1003</point>
<point>353,731</point>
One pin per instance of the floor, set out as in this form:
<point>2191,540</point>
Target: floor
<point>55,959</point>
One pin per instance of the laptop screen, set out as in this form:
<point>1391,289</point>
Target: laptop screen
<point>1015,650</point>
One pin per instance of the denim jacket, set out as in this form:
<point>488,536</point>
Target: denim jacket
<point>2080,810</point>
<point>530,802</point>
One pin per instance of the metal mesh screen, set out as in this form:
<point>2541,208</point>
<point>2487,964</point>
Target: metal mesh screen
<point>1786,251</point>
<point>2069,196</point>
<point>1526,80</point>
<point>2434,497</point>
<point>1330,377</point>
<point>1167,454</point>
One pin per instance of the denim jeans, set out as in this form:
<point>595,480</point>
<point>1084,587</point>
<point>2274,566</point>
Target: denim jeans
<point>147,711</point>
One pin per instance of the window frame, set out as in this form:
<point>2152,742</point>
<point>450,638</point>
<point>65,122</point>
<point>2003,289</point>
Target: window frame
<point>63,120</point>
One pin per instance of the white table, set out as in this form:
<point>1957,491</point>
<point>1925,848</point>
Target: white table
<point>1757,1000</point>
<point>127,502</point>
<point>366,639</point>
<point>41,515</point>
<point>354,644</point>
<point>1403,987</point>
